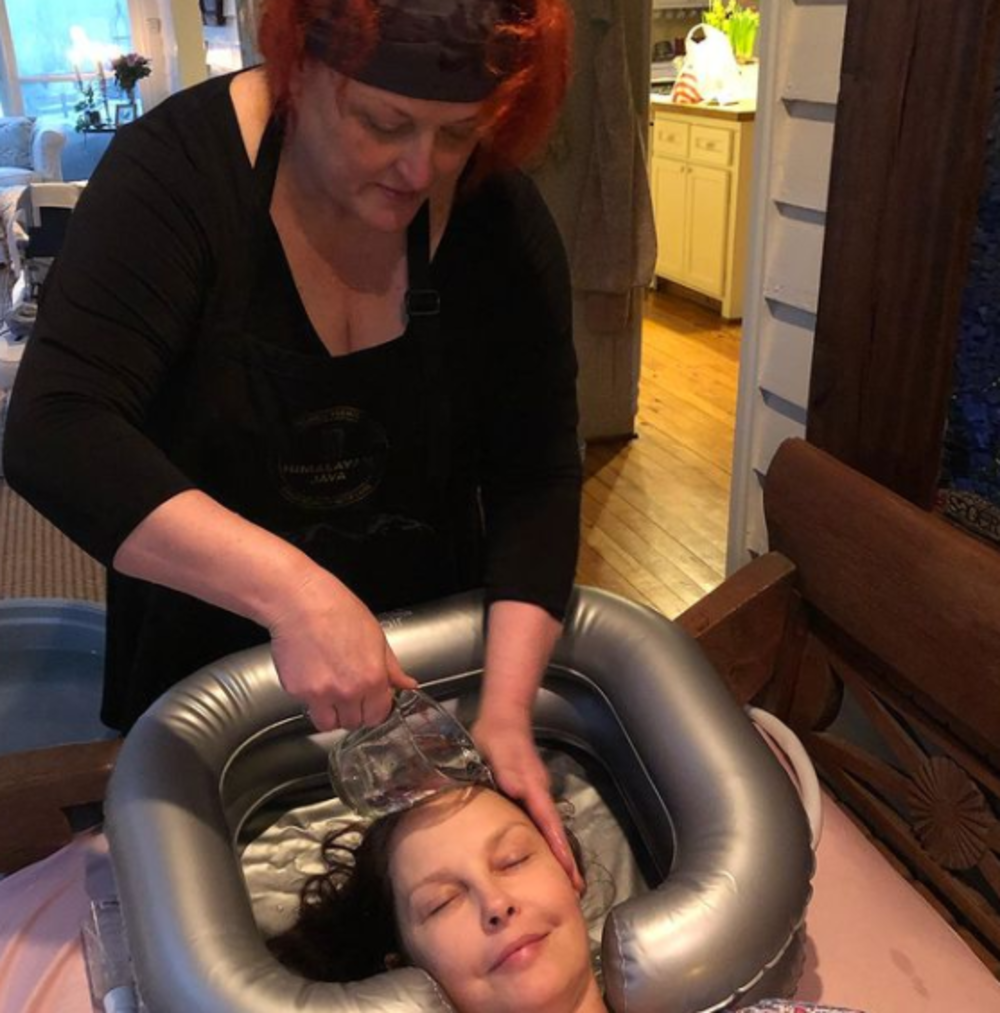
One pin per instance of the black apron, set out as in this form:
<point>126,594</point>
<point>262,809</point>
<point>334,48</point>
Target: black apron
<point>350,458</point>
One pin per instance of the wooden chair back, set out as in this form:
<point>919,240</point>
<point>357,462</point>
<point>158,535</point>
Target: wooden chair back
<point>893,648</point>
<point>893,589</point>
<point>873,629</point>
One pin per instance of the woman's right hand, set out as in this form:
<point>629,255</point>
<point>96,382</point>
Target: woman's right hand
<point>330,651</point>
<point>332,655</point>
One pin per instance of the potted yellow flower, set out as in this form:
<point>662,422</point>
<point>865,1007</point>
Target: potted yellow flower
<point>739,23</point>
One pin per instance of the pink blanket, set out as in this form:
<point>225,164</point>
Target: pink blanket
<point>42,909</point>
<point>875,944</point>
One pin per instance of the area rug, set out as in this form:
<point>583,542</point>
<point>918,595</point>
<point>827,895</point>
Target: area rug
<point>37,561</point>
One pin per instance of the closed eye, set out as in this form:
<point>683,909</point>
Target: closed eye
<point>460,135</point>
<point>385,129</point>
<point>439,905</point>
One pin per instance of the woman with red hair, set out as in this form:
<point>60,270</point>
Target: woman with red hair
<point>306,356</point>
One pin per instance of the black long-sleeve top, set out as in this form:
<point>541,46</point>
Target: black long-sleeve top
<point>172,352</point>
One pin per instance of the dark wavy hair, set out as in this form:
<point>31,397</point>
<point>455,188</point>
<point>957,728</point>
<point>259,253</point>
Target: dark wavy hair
<point>536,45</point>
<point>346,928</point>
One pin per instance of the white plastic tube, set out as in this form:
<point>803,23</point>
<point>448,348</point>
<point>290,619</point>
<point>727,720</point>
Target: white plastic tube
<point>805,773</point>
<point>121,1000</point>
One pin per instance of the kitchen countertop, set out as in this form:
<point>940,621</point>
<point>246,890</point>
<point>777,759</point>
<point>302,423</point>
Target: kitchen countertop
<point>738,111</point>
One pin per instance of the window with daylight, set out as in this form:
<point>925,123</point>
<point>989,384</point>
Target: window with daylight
<point>59,48</point>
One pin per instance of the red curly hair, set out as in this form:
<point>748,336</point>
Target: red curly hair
<point>522,109</point>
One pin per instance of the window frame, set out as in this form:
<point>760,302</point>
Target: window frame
<point>11,94</point>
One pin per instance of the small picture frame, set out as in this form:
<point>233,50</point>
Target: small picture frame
<point>124,113</point>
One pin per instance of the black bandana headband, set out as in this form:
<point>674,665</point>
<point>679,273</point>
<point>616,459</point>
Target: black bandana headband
<point>443,50</point>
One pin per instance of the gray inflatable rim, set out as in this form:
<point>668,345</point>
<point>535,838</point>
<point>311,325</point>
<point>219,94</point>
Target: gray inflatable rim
<point>719,818</point>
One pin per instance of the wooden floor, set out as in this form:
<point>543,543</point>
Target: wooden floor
<point>655,509</point>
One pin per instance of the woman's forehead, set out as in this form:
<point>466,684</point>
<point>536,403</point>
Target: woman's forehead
<point>456,820</point>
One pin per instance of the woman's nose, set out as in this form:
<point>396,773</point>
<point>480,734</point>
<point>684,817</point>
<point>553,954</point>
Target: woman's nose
<point>499,912</point>
<point>417,163</point>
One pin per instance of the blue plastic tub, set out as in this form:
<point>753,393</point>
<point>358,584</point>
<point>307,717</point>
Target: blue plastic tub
<point>51,667</point>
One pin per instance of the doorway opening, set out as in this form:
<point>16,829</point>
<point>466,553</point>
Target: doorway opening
<point>656,507</point>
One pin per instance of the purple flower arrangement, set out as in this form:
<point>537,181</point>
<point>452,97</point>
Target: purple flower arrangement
<point>129,70</point>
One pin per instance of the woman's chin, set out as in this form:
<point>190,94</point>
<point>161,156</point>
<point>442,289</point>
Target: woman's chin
<point>544,988</point>
<point>388,210</point>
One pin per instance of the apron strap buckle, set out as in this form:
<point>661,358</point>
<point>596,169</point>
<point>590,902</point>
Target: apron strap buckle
<point>422,302</point>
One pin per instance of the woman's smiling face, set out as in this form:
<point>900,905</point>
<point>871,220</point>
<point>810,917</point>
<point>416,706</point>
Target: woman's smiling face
<point>484,906</point>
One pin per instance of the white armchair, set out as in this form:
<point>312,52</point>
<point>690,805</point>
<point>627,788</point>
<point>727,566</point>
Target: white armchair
<point>30,152</point>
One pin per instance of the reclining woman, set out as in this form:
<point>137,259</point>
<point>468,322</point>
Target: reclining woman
<point>464,886</point>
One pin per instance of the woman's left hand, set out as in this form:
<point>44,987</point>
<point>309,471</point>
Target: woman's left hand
<point>509,747</point>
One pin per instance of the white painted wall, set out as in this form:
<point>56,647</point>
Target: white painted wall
<point>801,46</point>
<point>10,98</point>
<point>170,33</point>
<point>189,42</point>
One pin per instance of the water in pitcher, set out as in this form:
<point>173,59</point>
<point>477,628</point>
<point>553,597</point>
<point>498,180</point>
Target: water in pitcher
<point>418,751</point>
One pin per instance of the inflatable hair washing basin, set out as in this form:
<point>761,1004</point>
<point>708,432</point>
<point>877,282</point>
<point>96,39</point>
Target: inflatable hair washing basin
<point>716,823</point>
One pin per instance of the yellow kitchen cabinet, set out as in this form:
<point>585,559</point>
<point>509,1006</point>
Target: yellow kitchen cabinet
<point>669,205</point>
<point>700,171</point>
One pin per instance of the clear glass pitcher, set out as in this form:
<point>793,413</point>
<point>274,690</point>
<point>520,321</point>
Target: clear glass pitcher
<point>418,751</point>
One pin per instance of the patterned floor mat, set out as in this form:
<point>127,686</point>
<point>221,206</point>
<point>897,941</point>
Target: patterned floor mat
<point>37,561</point>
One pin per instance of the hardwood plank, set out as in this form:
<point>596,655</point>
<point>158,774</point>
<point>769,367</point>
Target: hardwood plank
<point>714,344</point>
<point>671,509</point>
<point>676,454</point>
<point>713,352</point>
<point>675,483</point>
<point>686,319</point>
<point>632,571</point>
<point>698,387</point>
<point>706,437</point>
<point>657,575</point>
<point>594,570</point>
<point>662,549</point>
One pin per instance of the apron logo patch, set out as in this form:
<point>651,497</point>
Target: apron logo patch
<point>332,458</point>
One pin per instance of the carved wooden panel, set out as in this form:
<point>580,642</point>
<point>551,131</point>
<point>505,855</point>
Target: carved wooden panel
<point>909,780</point>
